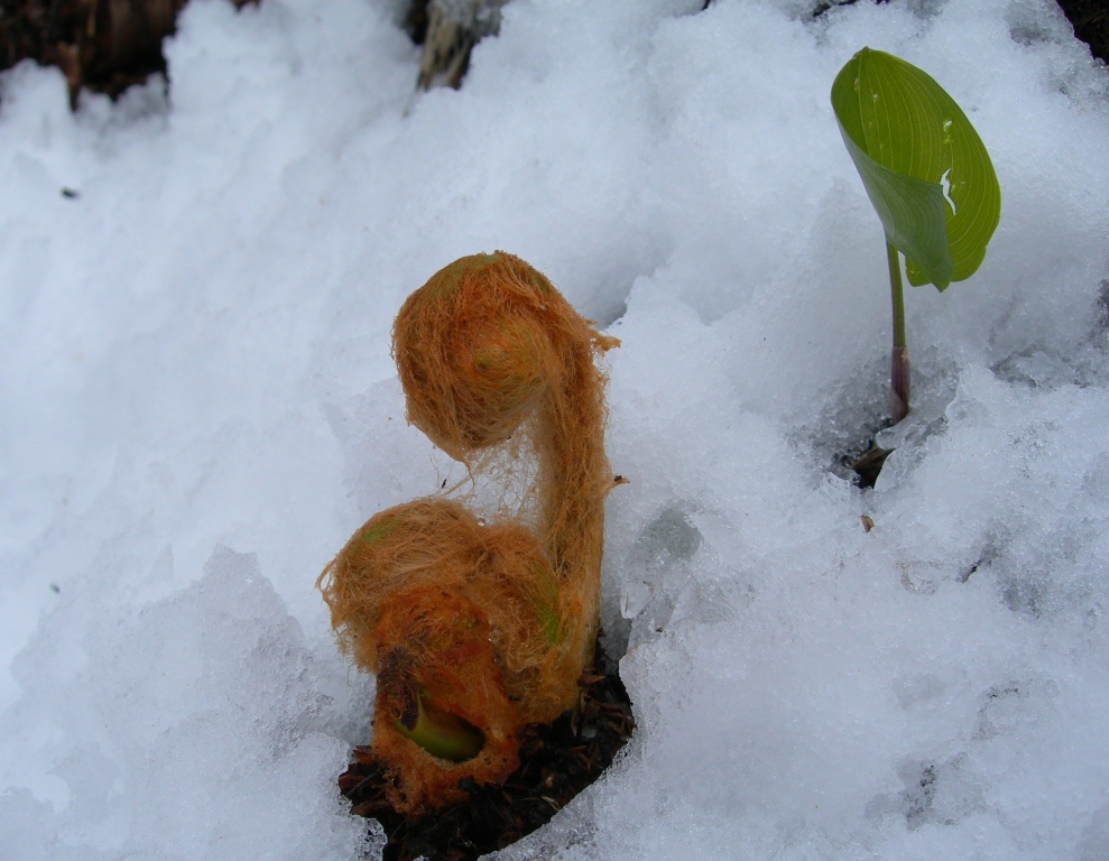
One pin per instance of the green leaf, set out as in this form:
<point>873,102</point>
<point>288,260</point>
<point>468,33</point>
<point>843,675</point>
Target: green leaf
<point>925,169</point>
<point>548,609</point>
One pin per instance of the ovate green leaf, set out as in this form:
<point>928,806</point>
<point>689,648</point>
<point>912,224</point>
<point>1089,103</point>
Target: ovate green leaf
<point>923,165</point>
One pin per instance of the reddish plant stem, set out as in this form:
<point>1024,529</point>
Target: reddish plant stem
<point>899,357</point>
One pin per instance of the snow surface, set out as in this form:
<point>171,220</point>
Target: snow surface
<point>198,406</point>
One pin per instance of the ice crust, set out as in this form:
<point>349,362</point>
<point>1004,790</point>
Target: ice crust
<point>198,406</point>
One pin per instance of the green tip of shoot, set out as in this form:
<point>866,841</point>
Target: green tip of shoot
<point>442,734</point>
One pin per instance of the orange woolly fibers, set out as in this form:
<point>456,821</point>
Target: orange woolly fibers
<point>473,627</point>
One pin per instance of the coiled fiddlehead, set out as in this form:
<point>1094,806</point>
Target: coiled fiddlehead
<point>475,628</point>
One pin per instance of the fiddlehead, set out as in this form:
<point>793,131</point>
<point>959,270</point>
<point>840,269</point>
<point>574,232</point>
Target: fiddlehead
<point>476,628</point>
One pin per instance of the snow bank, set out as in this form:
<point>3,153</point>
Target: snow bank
<point>197,407</point>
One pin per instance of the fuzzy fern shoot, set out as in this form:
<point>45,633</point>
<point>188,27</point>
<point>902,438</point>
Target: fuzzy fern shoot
<point>476,627</point>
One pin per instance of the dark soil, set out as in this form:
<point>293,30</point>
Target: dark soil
<point>1090,19</point>
<point>100,45</point>
<point>557,761</point>
<point>416,20</point>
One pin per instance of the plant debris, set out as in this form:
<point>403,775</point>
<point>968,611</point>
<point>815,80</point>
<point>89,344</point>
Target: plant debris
<point>557,761</point>
<point>869,465</point>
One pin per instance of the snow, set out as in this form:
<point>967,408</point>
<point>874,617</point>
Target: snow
<point>198,406</point>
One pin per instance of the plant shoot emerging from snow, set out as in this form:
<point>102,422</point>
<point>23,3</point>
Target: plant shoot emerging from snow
<point>928,175</point>
<point>473,627</point>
